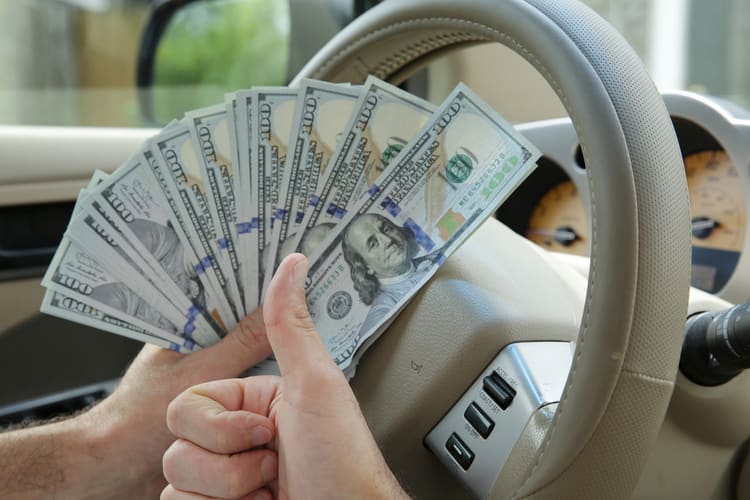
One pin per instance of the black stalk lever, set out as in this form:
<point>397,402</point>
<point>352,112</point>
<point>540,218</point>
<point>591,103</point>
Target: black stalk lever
<point>717,345</point>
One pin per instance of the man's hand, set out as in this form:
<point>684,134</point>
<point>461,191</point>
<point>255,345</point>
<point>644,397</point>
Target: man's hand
<point>129,426</point>
<point>133,418</point>
<point>115,449</point>
<point>325,449</point>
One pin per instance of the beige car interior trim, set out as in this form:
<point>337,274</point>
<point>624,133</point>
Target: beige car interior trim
<point>46,164</point>
<point>639,271</point>
<point>33,193</point>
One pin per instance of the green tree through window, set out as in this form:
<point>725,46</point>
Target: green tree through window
<point>212,47</point>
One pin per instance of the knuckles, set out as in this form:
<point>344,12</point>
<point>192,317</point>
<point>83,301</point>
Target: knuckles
<point>173,412</point>
<point>251,334</point>
<point>173,462</point>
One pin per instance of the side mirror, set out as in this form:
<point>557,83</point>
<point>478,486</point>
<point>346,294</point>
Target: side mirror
<point>193,51</point>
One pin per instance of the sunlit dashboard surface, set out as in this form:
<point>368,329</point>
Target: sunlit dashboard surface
<point>551,207</point>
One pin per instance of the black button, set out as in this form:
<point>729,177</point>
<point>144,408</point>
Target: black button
<point>499,390</point>
<point>459,451</point>
<point>479,420</point>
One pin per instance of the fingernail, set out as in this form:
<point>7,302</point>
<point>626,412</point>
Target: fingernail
<point>299,274</point>
<point>262,495</point>
<point>268,468</point>
<point>259,435</point>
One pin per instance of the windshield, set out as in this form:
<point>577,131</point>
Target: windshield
<point>74,62</point>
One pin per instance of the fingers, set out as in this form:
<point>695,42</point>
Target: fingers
<point>225,416</point>
<point>190,468</point>
<point>171,493</point>
<point>291,332</point>
<point>243,347</point>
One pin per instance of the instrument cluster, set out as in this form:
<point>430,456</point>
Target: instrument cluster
<point>551,208</point>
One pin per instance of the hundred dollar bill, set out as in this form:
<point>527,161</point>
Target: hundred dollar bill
<point>432,196</point>
<point>243,196</point>
<point>79,275</point>
<point>272,115</point>
<point>321,112</point>
<point>230,106</point>
<point>58,300</point>
<point>177,170</point>
<point>249,226</point>
<point>63,306</point>
<point>95,232</point>
<point>173,161</point>
<point>209,128</point>
<point>130,204</point>
<point>92,232</point>
<point>384,119</point>
<point>204,293</point>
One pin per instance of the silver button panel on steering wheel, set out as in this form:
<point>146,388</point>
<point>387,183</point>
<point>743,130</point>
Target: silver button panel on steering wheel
<point>476,436</point>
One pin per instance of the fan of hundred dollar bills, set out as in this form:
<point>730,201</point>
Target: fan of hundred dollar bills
<point>375,186</point>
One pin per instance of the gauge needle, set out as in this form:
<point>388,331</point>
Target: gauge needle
<point>563,235</point>
<point>702,227</point>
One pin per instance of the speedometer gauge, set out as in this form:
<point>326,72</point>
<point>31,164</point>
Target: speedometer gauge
<point>558,221</point>
<point>717,211</point>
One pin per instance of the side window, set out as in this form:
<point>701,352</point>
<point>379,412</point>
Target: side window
<point>69,62</point>
<point>134,63</point>
<point>211,47</point>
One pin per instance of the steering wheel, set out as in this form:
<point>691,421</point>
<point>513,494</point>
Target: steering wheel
<point>498,289</point>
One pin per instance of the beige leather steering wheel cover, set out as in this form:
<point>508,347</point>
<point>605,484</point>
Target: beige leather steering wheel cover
<point>629,342</point>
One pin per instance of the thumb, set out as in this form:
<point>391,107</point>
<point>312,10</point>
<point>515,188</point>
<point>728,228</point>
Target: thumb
<point>290,329</point>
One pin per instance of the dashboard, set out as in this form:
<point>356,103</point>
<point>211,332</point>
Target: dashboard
<point>551,208</point>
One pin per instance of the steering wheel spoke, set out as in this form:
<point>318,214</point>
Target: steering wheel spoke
<point>523,380</point>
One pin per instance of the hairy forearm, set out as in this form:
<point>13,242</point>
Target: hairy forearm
<point>42,461</point>
<point>75,458</point>
<point>389,485</point>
